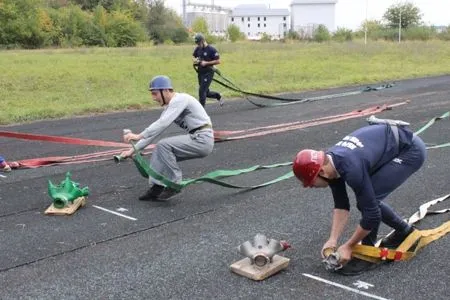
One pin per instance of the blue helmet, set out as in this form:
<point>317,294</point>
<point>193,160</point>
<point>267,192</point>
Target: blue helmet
<point>160,82</point>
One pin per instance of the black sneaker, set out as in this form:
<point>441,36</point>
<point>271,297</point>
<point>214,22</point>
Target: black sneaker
<point>166,194</point>
<point>152,192</point>
<point>395,239</point>
<point>356,266</point>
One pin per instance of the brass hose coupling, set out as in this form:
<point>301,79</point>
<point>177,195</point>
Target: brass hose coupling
<point>332,259</point>
<point>118,158</point>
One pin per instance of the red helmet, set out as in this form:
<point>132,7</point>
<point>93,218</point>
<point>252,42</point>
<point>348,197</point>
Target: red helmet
<point>307,164</point>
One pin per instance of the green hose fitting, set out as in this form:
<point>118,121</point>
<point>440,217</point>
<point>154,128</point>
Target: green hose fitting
<point>67,191</point>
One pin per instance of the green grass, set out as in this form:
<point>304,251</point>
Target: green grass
<point>41,84</point>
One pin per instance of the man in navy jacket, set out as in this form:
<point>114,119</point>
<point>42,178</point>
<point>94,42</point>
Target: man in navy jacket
<point>373,161</point>
<point>205,57</point>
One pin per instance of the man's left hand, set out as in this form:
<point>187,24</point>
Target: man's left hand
<point>203,63</point>
<point>131,137</point>
<point>345,253</point>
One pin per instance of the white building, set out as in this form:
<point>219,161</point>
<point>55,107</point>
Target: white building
<point>215,16</point>
<point>255,19</point>
<point>306,15</point>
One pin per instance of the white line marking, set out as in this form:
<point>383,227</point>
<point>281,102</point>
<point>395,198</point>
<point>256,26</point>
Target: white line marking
<point>3,176</point>
<point>345,287</point>
<point>115,213</point>
<point>362,285</point>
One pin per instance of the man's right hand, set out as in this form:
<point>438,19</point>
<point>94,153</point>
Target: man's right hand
<point>127,153</point>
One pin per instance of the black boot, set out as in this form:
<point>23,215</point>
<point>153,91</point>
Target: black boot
<point>356,266</point>
<point>152,192</point>
<point>166,194</point>
<point>395,239</point>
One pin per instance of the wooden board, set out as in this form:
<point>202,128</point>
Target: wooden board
<point>246,269</point>
<point>68,210</point>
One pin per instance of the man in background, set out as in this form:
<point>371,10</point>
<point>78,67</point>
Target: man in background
<point>205,57</point>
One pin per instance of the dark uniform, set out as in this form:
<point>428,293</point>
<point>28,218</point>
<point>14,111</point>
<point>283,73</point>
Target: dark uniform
<point>374,161</point>
<point>206,74</point>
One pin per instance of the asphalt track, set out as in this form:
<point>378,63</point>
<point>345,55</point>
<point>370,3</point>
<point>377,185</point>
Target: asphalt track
<point>183,249</point>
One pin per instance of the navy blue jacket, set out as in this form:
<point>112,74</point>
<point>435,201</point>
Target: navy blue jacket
<point>355,158</point>
<point>209,53</point>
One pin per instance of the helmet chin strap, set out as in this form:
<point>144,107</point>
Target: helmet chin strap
<point>325,178</point>
<point>329,178</point>
<point>162,97</point>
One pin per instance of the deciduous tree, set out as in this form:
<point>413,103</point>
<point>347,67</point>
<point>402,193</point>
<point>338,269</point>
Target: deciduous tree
<point>408,13</point>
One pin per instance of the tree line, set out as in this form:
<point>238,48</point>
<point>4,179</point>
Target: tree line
<point>32,24</point>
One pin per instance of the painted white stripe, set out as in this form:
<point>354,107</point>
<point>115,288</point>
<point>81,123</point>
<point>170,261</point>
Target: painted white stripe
<point>3,176</point>
<point>345,287</point>
<point>115,213</point>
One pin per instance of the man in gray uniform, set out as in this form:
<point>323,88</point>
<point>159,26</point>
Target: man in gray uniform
<point>185,111</point>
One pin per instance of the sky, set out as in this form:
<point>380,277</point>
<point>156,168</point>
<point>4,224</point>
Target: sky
<point>349,13</point>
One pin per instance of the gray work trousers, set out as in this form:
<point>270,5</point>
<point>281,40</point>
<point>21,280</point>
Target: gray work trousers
<point>170,151</point>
